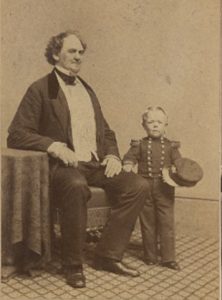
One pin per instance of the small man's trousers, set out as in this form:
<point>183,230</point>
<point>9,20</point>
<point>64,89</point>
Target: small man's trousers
<point>71,192</point>
<point>157,219</point>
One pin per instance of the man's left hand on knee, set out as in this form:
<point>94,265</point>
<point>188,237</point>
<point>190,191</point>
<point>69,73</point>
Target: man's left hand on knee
<point>113,166</point>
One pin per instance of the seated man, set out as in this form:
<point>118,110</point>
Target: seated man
<point>60,114</point>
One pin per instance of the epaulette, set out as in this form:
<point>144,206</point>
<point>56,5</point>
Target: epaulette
<point>135,143</point>
<point>175,144</point>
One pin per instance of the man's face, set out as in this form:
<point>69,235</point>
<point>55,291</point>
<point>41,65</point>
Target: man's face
<point>71,54</point>
<point>155,123</point>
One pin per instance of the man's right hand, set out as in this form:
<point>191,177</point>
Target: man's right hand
<point>61,151</point>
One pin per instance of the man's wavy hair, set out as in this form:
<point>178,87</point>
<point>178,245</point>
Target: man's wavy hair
<point>56,42</point>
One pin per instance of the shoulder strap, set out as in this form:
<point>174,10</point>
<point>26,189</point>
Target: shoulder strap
<point>175,144</point>
<point>135,143</point>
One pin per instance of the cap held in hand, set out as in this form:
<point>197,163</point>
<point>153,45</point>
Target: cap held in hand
<point>186,172</point>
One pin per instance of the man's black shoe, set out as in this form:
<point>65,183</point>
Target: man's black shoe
<point>171,265</point>
<point>75,277</point>
<point>110,265</point>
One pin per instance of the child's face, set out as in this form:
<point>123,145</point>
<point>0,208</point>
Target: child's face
<point>155,123</point>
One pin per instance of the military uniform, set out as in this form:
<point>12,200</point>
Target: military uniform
<point>157,216</point>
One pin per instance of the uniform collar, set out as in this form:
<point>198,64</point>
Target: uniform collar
<point>154,139</point>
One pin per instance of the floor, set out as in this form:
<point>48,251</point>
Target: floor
<point>198,278</point>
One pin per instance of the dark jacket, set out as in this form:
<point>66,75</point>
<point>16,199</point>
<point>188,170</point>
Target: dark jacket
<point>43,117</point>
<point>138,153</point>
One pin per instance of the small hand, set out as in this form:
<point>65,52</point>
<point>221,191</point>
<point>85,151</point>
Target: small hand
<point>113,166</point>
<point>167,179</point>
<point>128,167</point>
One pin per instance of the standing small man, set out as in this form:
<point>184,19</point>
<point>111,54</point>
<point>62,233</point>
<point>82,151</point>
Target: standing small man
<point>60,114</point>
<point>160,162</point>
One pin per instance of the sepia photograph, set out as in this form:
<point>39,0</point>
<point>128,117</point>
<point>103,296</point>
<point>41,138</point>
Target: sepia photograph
<point>111,149</point>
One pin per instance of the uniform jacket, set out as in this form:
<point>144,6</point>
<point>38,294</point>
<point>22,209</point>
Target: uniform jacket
<point>43,117</point>
<point>149,159</point>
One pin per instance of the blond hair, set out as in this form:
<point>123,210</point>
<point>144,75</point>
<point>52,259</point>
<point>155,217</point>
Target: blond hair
<point>153,108</point>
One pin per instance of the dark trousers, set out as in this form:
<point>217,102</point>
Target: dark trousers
<point>157,219</point>
<point>70,187</point>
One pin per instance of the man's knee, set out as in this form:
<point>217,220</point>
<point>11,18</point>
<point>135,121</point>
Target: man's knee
<point>69,182</point>
<point>77,183</point>
<point>78,190</point>
<point>137,187</point>
<point>141,185</point>
<point>76,193</point>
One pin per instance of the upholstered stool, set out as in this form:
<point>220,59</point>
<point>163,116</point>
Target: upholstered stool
<point>98,208</point>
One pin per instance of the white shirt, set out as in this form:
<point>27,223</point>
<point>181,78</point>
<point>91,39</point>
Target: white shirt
<point>82,118</point>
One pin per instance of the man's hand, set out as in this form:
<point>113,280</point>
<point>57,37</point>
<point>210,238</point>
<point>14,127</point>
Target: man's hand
<point>113,166</point>
<point>61,151</point>
<point>128,167</point>
<point>167,179</point>
<point>69,157</point>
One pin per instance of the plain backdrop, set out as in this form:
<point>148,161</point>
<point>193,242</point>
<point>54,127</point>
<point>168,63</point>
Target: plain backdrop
<point>140,53</point>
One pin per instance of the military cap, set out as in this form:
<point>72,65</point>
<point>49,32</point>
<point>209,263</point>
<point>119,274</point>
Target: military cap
<point>186,172</point>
